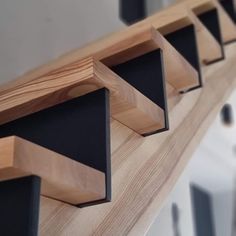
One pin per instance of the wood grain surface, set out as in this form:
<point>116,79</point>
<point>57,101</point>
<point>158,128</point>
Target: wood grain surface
<point>62,178</point>
<point>128,105</point>
<point>144,170</point>
<point>228,27</point>
<point>167,20</point>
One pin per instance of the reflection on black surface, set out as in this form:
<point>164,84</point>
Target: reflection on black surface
<point>175,219</point>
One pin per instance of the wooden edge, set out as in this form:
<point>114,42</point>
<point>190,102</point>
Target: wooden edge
<point>227,25</point>
<point>166,20</point>
<point>127,103</point>
<point>178,71</point>
<point>62,178</point>
<point>209,47</point>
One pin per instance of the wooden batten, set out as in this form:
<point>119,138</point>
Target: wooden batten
<point>62,178</point>
<point>227,25</point>
<point>178,72</point>
<point>178,16</point>
<point>88,75</point>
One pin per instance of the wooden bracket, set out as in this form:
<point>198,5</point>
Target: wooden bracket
<point>226,14</point>
<point>77,129</point>
<point>211,20</point>
<point>184,40</point>
<point>230,8</point>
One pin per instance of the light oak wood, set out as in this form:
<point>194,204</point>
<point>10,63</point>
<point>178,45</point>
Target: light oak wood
<point>62,178</point>
<point>128,105</point>
<point>178,16</point>
<point>178,72</point>
<point>227,25</point>
<point>166,21</point>
<point>144,170</point>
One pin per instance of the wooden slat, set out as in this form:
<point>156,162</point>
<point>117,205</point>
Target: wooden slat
<point>145,170</point>
<point>62,178</point>
<point>178,72</point>
<point>227,25</point>
<point>166,21</point>
<point>178,16</point>
<point>128,105</point>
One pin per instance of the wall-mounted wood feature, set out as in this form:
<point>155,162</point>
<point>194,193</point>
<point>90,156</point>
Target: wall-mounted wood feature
<point>209,16</point>
<point>87,75</point>
<point>227,25</point>
<point>78,129</point>
<point>128,105</point>
<point>145,170</point>
<point>19,204</point>
<point>230,8</point>
<point>178,16</point>
<point>62,178</point>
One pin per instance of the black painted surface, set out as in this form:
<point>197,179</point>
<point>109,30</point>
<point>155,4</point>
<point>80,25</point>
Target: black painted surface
<point>78,129</point>
<point>132,11</point>
<point>184,41</point>
<point>229,6</point>
<point>211,20</point>
<point>202,212</point>
<point>146,74</point>
<point>227,115</point>
<point>19,206</point>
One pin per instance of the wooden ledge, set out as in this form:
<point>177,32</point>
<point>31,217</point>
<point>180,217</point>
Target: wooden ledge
<point>128,105</point>
<point>166,21</point>
<point>226,23</point>
<point>62,178</point>
<point>178,72</point>
<point>178,16</point>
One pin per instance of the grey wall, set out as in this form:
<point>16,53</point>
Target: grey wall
<point>33,32</point>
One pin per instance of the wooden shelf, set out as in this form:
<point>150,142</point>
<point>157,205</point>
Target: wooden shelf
<point>226,23</point>
<point>62,178</point>
<point>87,75</point>
<point>127,103</point>
<point>177,16</point>
<point>145,170</point>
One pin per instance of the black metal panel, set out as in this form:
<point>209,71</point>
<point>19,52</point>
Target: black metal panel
<point>211,20</point>
<point>19,206</point>
<point>202,212</point>
<point>78,129</point>
<point>184,41</point>
<point>132,11</point>
<point>146,74</point>
<point>229,6</point>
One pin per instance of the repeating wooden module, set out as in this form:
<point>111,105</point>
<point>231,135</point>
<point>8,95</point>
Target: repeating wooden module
<point>62,178</point>
<point>226,23</point>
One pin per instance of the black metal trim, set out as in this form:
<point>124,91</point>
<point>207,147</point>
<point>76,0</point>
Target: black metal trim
<point>19,206</point>
<point>78,129</point>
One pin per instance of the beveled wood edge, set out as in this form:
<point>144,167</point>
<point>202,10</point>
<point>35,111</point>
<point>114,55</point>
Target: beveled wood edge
<point>63,179</point>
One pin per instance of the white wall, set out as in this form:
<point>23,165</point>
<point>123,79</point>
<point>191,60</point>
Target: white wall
<point>213,167</point>
<point>34,32</point>
<point>181,196</point>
